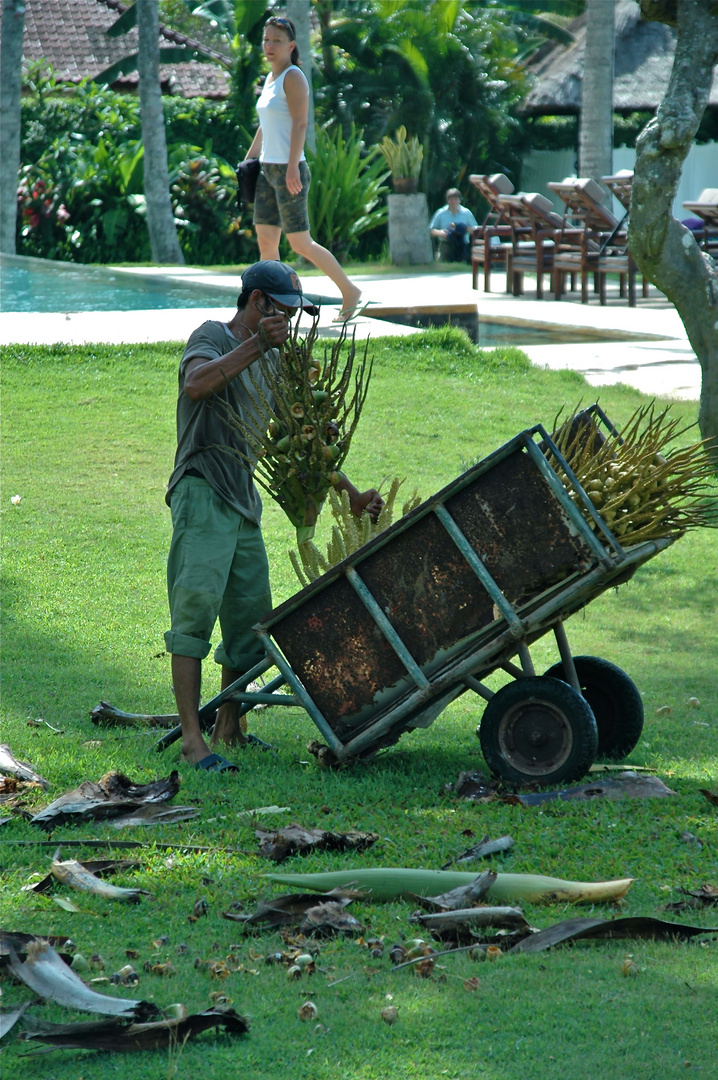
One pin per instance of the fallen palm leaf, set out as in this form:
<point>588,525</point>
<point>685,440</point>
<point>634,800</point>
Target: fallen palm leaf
<point>711,796</point>
<point>107,715</point>
<point>705,896</point>
<point>329,917</point>
<point>475,918</point>
<point>483,850</point>
<point>9,1019</point>
<point>464,896</point>
<point>66,904</point>
<point>152,814</point>
<point>644,927</point>
<point>51,978</point>
<point>390,883</point>
<point>93,866</point>
<point>289,909</point>
<point>14,945</point>
<point>112,795</point>
<point>277,844</point>
<point>76,876</point>
<point>21,770</point>
<point>626,786</point>
<point>118,1036</point>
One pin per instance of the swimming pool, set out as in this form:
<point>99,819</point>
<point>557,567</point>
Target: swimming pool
<point>42,285</point>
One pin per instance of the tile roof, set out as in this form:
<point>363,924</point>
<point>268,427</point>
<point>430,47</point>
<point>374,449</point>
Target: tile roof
<point>72,36</point>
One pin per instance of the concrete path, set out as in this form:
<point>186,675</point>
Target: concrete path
<point>652,354</point>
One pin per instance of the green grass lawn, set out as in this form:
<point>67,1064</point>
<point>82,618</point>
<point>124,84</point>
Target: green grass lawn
<point>88,443</point>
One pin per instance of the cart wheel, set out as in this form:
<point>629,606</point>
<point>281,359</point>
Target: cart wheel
<point>616,703</point>
<point>538,730</point>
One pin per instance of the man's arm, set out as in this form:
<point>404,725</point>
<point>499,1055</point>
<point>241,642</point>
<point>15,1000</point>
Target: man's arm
<point>203,377</point>
<point>369,500</point>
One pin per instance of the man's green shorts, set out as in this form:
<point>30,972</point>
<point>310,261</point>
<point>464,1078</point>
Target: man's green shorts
<point>217,569</point>
<point>273,205</point>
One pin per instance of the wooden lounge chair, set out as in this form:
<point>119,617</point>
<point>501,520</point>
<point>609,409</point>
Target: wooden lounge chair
<point>706,208</point>
<point>535,229</point>
<point>489,240</point>
<point>620,185</point>
<point>603,248</point>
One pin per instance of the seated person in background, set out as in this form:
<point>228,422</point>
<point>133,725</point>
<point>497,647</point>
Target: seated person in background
<point>451,224</point>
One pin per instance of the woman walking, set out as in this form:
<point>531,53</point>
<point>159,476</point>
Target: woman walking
<point>283,185</point>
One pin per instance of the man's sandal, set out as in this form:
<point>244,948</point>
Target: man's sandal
<point>215,763</point>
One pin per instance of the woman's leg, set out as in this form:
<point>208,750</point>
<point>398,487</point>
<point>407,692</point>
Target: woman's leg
<point>302,244</point>
<point>268,237</point>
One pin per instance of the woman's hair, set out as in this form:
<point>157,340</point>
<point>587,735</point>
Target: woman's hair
<point>288,27</point>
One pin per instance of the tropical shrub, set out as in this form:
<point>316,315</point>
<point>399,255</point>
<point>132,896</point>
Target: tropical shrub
<point>204,190</point>
<point>345,196</point>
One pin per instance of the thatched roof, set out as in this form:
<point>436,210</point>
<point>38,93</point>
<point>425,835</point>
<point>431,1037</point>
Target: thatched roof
<point>643,60</point>
<point>71,35</point>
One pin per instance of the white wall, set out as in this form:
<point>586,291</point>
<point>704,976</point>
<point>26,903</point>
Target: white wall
<point>700,171</point>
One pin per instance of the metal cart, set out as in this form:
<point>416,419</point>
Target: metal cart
<point>460,587</point>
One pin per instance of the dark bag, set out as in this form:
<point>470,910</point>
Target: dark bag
<point>247,173</point>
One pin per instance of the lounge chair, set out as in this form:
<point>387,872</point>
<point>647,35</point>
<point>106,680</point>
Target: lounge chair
<point>603,248</point>
<point>490,239</point>
<point>705,208</point>
<point>536,227</point>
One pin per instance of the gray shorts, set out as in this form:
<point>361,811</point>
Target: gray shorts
<point>217,569</point>
<point>273,205</point>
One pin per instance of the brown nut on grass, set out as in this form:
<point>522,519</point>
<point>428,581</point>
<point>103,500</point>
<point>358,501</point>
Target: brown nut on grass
<point>390,1014</point>
<point>308,1011</point>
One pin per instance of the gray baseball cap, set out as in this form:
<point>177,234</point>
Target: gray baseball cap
<point>279,281</point>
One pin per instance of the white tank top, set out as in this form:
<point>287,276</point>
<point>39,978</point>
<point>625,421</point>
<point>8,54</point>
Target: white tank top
<point>275,120</point>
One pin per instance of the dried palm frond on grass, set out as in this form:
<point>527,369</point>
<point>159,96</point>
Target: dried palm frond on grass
<point>349,532</point>
<point>302,431</point>
<point>642,485</point>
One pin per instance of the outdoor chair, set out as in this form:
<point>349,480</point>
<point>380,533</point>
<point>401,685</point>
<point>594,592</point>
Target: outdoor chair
<point>620,185</point>
<point>705,208</point>
<point>535,227</point>
<point>490,240</point>
<point>603,247</point>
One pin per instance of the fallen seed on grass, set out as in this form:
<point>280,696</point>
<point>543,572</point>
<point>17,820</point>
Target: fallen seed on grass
<point>472,984</point>
<point>663,710</point>
<point>629,968</point>
<point>308,1011</point>
<point>390,1014</point>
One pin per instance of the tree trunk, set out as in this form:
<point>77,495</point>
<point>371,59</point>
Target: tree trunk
<point>160,219</point>
<point>298,12</point>
<point>664,250</point>
<point>13,24</point>
<point>595,149</point>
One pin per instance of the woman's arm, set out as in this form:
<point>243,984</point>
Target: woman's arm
<point>297,92</point>
<point>256,147</point>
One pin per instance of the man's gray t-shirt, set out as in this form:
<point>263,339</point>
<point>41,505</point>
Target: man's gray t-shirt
<point>205,440</point>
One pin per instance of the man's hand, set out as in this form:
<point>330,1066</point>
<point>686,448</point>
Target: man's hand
<point>369,501</point>
<point>276,328</point>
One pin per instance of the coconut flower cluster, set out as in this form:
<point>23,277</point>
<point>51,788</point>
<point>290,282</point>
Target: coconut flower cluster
<point>303,430</point>
<point>643,485</point>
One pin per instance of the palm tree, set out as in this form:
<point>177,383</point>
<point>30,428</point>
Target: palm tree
<point>160,219</point>
<point>595,147</point>
<point>298,12</point>
<point>11,34</point>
